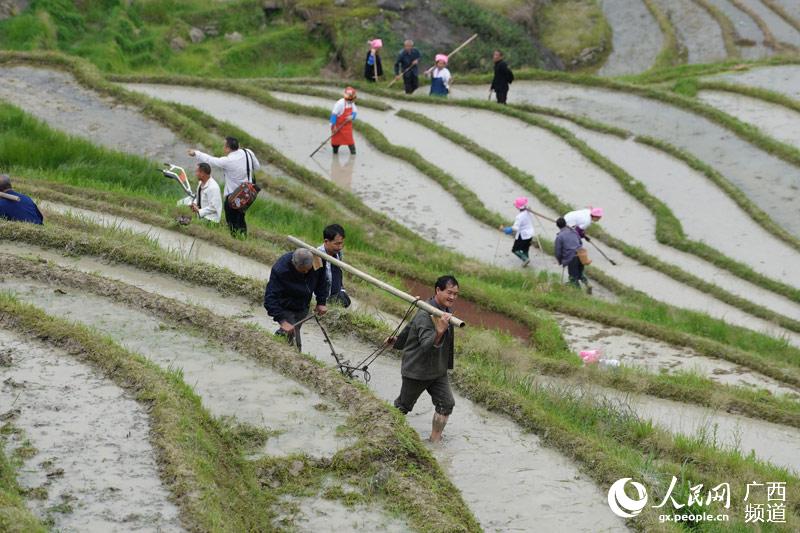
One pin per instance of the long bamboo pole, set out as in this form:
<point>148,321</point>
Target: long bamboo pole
<point>457,50</point>
<point>425,306</point>
<point>9,197</point>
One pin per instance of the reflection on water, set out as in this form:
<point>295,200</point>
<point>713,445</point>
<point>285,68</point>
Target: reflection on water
<point>342,173</point>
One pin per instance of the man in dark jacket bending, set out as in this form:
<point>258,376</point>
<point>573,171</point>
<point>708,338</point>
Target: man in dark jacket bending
<point>427,345</point>
<point>502,77</point>
<point>292,281</point>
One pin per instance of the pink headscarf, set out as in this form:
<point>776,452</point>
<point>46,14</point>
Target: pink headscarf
<point>375,44</point>
<point>441,57</point>
<point>597,212</point>
<point>520,202</point>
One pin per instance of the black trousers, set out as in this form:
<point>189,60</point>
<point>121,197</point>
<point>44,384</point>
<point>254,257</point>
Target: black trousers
<point>438,388</point>
<point>294,317</point>
<point>522,245</point>
<point>575,271</point>
<point>352,148</point>
<point>501,96</point>
<point>235,220</point>
<point>411,83</point>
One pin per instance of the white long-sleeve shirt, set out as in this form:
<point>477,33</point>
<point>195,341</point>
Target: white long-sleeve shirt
<point>233,165</point>
<point>342,104</point>
<point>523,225</point>
<point>443,73</point>
<point>210,201</point>
<point>582,218</point>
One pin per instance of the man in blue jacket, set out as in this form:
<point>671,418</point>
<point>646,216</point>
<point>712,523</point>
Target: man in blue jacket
<point>23,210</point>
<point>567,244</point>
<point>293,280</point>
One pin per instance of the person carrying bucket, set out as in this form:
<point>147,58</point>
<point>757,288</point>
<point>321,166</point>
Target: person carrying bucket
<point>342,116</point>
<point>440,77</point>
<point>581,219</point>
<point>373,68</point>
<point>523,226</point>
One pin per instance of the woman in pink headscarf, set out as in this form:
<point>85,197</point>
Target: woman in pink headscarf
<point>373,68</point>
<point>523,226</point>
<point>581,219</point>
<point>440,77</point>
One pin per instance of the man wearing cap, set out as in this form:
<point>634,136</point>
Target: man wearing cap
<point>406,65</point>
<point>342,116</point>
<point>523,226</point>
<point>373,68</point>
<point>17,206</point>
<point>581,219</point>
<point>294,278</point>
<point>440,77</point>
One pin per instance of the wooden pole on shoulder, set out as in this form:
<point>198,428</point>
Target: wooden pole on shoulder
<point>425,306</point>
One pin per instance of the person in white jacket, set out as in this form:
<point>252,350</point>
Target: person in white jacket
<point>581,219</point>
<point>208,201</point>
<point>238,165</point>
<point>523,227</point>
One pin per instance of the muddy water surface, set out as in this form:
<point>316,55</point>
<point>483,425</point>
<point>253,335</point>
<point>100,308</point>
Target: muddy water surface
<point>637,39</point>
<point>383,183</point>
<point>781,29</point>
<point>776,121</point>
<point>569,174</point>
<point>508,479</point>
<point>496,190</point>
<point>93,451</point>
<point>523,491</point>
<point>185,246</point>
<point>56,98</point>
<point>657,356</point>
<point>792,7</point>
<point>229,383</point>
<point>700,206</point>
<point>746,28</point>
<point>784,79</point>
<point>770,182</point>
<point>696,29</point>
<point>771,442</point>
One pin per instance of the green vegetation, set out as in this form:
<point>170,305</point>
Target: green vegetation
<point>570,27</point>
<point>672,51</point>
<point>226,491</point>
<point>729,35</point>
<point>766,95</point>
<point>14,516</point>
<point>207,474</point>
<point>494,32</point>
<point>154,36</point>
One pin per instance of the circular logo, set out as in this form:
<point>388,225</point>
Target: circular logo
<point>621,504</point>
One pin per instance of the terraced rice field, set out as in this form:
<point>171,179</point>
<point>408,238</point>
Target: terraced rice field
<point>142,386</point>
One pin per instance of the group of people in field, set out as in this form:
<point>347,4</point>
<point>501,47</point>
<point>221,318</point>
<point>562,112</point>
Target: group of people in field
<point>406,67</point>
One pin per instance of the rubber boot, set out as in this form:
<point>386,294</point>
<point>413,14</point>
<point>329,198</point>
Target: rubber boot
<point>520,254</point>
<point>352,148</point>
<point>588,285</point>
<point>526,260</point>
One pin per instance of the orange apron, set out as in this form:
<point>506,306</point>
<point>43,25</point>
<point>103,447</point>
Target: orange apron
<point>344,137</point>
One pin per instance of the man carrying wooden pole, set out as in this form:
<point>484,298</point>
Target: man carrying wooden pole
<point>427,343</point>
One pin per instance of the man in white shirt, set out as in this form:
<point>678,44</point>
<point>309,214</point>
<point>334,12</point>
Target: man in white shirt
<point>208,202</point>
<point>238,165</point>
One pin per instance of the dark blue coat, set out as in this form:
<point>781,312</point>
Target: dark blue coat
<point>289,290</point>
<point>24,211</point>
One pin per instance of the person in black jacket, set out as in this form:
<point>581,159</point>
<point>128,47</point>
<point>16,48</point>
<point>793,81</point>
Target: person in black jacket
<point>292,281</point>
<point>373,59</point>
<point>502,77</point>
<point>406,64</point>
<point>332,244</point>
